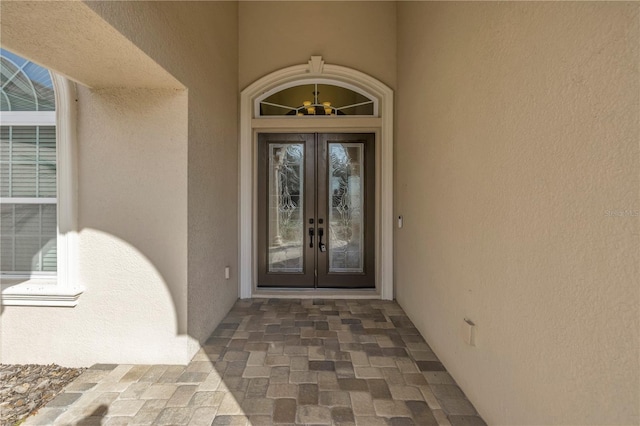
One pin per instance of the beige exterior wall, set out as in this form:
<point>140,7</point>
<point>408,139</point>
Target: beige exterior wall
<point>197,42</point>
<point>358,35</point>
<point>153,238</point>
<point>517,132</point>
<point>132,181</point>
<point>133,225</point>
<point>68,37</point>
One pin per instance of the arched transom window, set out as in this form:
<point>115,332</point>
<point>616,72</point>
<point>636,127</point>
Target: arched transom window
<point>316,98</point>
<point>25,85</point>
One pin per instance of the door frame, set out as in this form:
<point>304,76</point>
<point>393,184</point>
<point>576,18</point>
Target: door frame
<point>382,126</point>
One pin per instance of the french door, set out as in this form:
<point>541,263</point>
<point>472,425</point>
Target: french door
<point>316,210</point>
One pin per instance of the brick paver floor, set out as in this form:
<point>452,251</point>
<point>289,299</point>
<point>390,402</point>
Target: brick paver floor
<point>280,361</point>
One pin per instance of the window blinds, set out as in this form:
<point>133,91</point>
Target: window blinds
<point>28,217</point>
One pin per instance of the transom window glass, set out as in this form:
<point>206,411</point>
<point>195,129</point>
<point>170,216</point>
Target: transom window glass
<point>316,99</point>
<point>25,86</point>
<point>28,167</point>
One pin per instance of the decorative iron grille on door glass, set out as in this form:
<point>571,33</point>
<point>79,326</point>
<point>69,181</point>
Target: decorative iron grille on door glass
<point>316,210</point>
<point>318,98</point>
<point>28,196</point>
<point>286,198</point>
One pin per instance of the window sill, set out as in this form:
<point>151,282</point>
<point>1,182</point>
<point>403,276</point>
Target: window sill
<point>39,292</point>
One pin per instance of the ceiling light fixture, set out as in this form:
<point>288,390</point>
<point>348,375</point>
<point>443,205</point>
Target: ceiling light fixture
<point>316,107</point>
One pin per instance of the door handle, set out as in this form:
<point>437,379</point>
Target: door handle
<point>311,237</point>
<point>321,245</point>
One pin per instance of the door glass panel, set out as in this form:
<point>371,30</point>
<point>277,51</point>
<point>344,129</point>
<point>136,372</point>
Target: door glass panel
<point>285,216</point>
<point>346,212</point>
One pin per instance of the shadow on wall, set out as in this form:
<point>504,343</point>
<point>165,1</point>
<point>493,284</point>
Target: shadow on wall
<point>133,229</point>
<point>153,128</point>
<point>120,281</point>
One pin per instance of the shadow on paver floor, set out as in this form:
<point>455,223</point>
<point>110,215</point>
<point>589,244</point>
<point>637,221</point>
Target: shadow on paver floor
<point>284,361</point>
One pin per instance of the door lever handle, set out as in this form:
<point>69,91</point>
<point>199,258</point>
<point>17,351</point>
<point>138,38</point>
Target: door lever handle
<point>321,245</point>
<point>311,237</point>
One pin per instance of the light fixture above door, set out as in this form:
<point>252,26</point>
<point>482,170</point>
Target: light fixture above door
<point>327,99</point>
<point>316,107</point>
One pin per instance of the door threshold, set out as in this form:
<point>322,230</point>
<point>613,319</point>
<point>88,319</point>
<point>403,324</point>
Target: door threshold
<point>315,293</point>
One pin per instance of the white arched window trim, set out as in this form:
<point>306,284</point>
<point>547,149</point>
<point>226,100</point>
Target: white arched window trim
<point>317,69</point>
<point>64,289</point>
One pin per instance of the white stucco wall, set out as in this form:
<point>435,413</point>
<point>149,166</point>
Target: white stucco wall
<point>517,131</point>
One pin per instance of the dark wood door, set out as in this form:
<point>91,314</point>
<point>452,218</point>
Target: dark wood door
<point>316,207</point>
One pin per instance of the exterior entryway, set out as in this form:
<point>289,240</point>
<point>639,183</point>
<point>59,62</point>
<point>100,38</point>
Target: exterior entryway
<point>316,210</point>
<point>316,99</point>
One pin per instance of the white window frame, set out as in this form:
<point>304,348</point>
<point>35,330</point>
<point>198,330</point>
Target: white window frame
<point>64,289</point>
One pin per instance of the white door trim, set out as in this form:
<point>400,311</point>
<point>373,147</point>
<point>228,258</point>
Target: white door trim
<point>317,68</point>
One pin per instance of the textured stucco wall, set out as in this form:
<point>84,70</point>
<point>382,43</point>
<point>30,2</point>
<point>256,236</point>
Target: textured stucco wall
<point>517,132</point>
<point>275,35</point>
<point>132,226</point>
<point>157,181</point>
<point>132,206</point>
<point>69,37</point>
<point>197,43</point>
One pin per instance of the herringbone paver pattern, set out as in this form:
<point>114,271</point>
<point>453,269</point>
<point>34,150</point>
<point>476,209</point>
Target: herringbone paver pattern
<point>282,361</point>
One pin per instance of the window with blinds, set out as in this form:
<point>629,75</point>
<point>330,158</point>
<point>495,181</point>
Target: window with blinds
<point>28,188</point>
